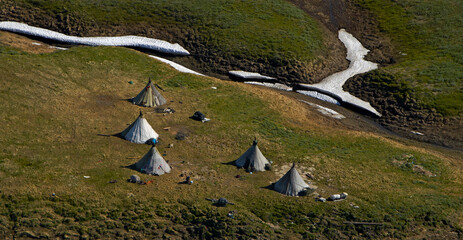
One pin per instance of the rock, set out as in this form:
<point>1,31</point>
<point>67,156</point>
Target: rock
<point>134,179</point>
<point>336,197</point>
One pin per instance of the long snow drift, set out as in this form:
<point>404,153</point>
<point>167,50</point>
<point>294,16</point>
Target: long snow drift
<point>249,75</point>
<point>320,96</point>
<point>272,85</point>
<point>123,41</point>
<point>176,66</point>
<point>333,83</point>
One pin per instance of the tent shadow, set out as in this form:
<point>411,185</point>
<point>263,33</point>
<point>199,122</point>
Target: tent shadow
<point>269,187</point>
<point>233,163</point>
<point>119,135</point>
<point>131,167</point>
<point>230,163</point>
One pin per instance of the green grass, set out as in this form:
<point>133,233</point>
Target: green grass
<point>427,36</point>
<point>59,102</point>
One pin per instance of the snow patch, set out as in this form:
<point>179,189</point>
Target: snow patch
<point>325,111</point>
<point>272,85</point>
<point>124,41</point>
<point>250,75</point>
<point>333,83</point>
<point>178,67</point>
<point>59,48</point>
<point>319,96</point>
<point>417,133</point>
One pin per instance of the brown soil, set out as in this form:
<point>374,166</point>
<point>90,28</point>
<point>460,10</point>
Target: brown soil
<point>25,44</point>
<point>332,15</point>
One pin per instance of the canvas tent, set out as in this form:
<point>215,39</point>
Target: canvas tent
<point>149,97</point>
<point>139,131</point>
<point>291,183</point>
<point>152,163</point>
<point>253,159</point>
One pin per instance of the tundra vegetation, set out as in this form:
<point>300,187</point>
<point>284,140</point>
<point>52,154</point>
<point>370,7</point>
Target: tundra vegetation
<point>57,102</point>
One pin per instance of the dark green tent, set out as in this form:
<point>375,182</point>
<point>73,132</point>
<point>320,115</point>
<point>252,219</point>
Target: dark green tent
<point>149,97</point>
<point>291,183</point>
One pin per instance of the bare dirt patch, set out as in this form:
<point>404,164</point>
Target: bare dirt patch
<point>24,43</point>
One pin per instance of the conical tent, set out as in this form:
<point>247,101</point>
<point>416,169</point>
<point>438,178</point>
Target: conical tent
<point>149,97</point>
<point>139,131</point>
<point>252,159</point>
<point>291,183</point>
<point>152,163</point>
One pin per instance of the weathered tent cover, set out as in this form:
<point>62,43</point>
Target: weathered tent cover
<point>291,183</point>
<point>252,159</point>
<point>149,97</point>
<point>139,131</point>
<point>153,163</point>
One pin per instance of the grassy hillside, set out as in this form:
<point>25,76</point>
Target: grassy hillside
<point>57,103</point>
<point>428,39</point>
<point>276,38</point>
<point>219,33</point>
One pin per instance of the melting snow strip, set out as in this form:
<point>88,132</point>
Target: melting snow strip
<point>250,75</point>
<point>326,111</point>
<point>272,85</point>
<point>124,41</point>
<point>178,67</point>
<point>320,96</point>
<point>417,133</point>
<point>333,83</point>
<point>59,48</point>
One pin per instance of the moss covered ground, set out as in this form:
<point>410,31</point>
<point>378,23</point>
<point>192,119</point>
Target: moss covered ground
<point>427,36</point>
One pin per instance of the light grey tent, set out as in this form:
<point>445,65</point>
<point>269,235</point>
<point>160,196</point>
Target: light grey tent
<point>152,163</point>
<point>291,183</point>
<point>149,97</point>
<point>139,131</point>
<point>253,159</point>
